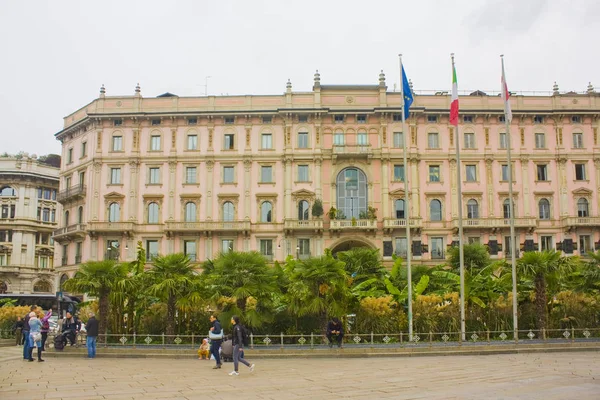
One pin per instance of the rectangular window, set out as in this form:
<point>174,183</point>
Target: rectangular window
<point>542,172</point>
<point>303,140</point>
<point>399,173</point>
<point>585,244</point>
<point>469,140</point>
<point>192,121</point>
<point>267,120</point>
<point>156,122</point>
<point>190,175</point>
<point>580,172</point>
<point>538,119</point>
<point>578,140</point>
<point>434,173</point>
<point>471,172</point>
<point>474,240</point>
<point>576,119</point>
<point>5,236</point>
<point>266,141</point>
<point>437,248</point>
<point>78,247</point>
<point>540,141</point>
<point>502,118</point>
<point>266,174</point>
<point>467,119</point>
<point>117,143</point>
<point>228,174</point>
<point>83,149</point>
<point>338,139</point>
<point>361,119</point>
<point>505,172</point>
<point>70,156</point>
<point>546,243</point>
<point>52,215</point>
<point>117,122</point>
<point>115,176</point>
<point>65,255</point>
<point>226,245</point>
<point>362,139</point>
<point>266,247</point>
<point>432,119</point>
<point>303,248</point>
<point>67,184</point>
<point>229,141</point>
<point>302,119</point>
<point>229,120</point>
<point>401,248</point>
<point>46,214</point>
<point>3,259</point>
<point>302,173</point>
<point>82,178</point>
<point>155,143</point>
<point>189,249</point>
<point>433,140</point>
<point>154,175</point>
<point>507,245</point>
<point>192,142</point>
<point>151,249</point>
<point>397,117</point>
<point>398,140</point>
<point>338,119</point>
<point>503,140</point>
<point>43,262</point>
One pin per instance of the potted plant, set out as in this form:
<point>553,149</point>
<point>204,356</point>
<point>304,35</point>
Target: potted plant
<point>317,208</point>
<point>353,221</point>
<point>332,213</point>
<point>372,213</point>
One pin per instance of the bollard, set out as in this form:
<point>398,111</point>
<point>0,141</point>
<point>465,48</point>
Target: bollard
<point>488,336</point>
<point>544,334</point>
<point>134,340</point>
<point>430,338</point>
<point>163,340</point>
<point>193,340</point>
<point>572,334</point>
<point>401,339</point>
<point>312,341</point>
<point>251,341</point>
<point>371,338</point>
<point>281,340</point>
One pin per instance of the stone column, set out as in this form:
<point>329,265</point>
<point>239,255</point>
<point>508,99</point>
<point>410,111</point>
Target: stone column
<point>563,200</point>
<point>489,183</point>
<point>172,182</point>
<point>318,188</point>
<point>247,188</point>
<point>209,247</point>
<point>453,188</point>
<point>209,196</point>
<point>288,188</point>
<point>134,168</point>
<point>385,203</point>
<point>525,182</point>
<point>97,212</point>
<point>415,188</point>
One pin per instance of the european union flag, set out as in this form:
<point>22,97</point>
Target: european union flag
<point>408,96</point>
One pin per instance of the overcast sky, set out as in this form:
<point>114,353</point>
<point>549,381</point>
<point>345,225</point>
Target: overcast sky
<point>55,55</point>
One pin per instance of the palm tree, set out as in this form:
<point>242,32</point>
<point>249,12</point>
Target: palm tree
<point>245,278</point>
<point>540,267</point>
<point>99,279</point>
<point>173,277</point>
<point>476,256</point>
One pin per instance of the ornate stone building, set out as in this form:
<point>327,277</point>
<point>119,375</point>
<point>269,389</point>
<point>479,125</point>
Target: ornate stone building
<point>202,175</point>
<point>28,216</point>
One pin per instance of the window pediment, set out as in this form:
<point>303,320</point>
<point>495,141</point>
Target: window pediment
<point>582,192</point>
<point>396,194</point>
<point>302,194</point>
<point>114,196</point>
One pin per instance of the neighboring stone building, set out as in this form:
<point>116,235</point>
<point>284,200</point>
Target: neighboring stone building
<point>28,216</point>
<point>202,175</point>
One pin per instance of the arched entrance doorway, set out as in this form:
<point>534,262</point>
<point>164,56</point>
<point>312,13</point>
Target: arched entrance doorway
<point>349,243</point>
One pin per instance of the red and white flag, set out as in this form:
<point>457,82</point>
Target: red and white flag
<point>454,104</point>
<point>506,96</point>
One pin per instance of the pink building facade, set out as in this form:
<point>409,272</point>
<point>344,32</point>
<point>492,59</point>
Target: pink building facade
<point>202,175</point>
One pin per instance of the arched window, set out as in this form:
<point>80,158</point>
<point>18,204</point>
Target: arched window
<point>153,213</point>
<point>190,211</point>
<point>228,211</point>
<point>303,210</point>
<point>544,208</point>
<point>63,279</point>
<point>3,287</point>
<point>506,208</point>
<point>435,210</point>
<point>583,208</point>
<point>80,215</point>
<point>399,208</point>
<point>114,212</point>
<point>266,211</point>
<point>7,191</point>
<point>66,218</point>
<point>42,286</point>
<point>472,209</point>
<point>351,193</point>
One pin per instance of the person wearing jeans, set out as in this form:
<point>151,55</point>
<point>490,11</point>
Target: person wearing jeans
<point>92,335</point>
<point>238,347</point>
<point>26,342</point>
<point>215,344</point>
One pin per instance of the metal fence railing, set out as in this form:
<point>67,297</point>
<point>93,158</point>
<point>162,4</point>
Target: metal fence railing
<point>356,340</point>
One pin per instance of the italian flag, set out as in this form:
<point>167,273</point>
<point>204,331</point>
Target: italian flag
<point>454,104</point>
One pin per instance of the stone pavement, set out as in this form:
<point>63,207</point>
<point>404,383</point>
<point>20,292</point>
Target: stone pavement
<point>509,376</point>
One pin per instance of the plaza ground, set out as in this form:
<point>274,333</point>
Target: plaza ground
<point>548,376</point>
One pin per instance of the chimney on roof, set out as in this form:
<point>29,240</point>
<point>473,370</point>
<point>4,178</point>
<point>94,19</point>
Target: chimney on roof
<point>317,80</point>
<point>590,88</point>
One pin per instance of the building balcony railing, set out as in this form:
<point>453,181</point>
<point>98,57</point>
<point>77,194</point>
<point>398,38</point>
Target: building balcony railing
<point>493,223</point>
<point>303,224</point>
<point>226,226</point>
<point>64,261</point>
<point>185,226</point>
<point>68,233</point>
<point>393,223</point>
<point>110,227</point>
<point>581,221</point>
<point>520,222</point>
<point>73,193</point>
<point>352,150</point>
<point>362,224</point>
<point>78,259</point>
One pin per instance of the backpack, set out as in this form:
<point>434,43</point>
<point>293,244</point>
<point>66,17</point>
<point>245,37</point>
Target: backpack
<point>245,335</point>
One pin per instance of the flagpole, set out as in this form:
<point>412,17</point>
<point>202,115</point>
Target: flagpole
<point>513,242</point>
<point>461,251</point>
<point>406,209</point>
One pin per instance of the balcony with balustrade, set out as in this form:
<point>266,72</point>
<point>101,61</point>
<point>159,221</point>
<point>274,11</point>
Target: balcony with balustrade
<point>227,226</point>
<point>575,222</point>
<point>390,224</point>
<point>73,193</point>
<point>185,227</point>
<point>304,225</point>
<point>104,227</point>
<point>69,233</point>
<point>356,224</point>
<point>352,151</point>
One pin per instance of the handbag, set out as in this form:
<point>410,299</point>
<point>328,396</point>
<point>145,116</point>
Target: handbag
<point>37,337</point>
<point>215,336</point>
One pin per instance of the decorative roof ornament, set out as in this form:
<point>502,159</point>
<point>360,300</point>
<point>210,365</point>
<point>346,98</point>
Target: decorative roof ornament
<point>288,85</point>
<point>381,79</point>
<point>137,89</point>
<point>410,85</point>
<point>102,91</point>
<point>555,89</point>
<point>590,88</point>
<point>317,79</point>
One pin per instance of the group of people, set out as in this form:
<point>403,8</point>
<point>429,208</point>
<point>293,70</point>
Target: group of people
<point>31,331</point>
<point>216,336</point>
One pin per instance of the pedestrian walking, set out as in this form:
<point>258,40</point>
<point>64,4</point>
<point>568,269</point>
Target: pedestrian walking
<point>45,328</point>
<point>26,333</point>
<point>92,335</point>
<point>240,338</point>
<point>216,339</point>
<point>19,331</point>
<point>35,336</point>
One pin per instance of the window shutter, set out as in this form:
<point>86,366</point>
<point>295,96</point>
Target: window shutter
<point>387,248</point>
<point>416,248</point>
<point>567,246</point>
<point>493,247</point>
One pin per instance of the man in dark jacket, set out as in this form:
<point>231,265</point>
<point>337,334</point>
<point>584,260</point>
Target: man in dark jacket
<point>19,331</point>
<point>92,335</point>
<point>335,329</point>
<point>71,326</point>
<point>25,332</point>
<point>215,344</point>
